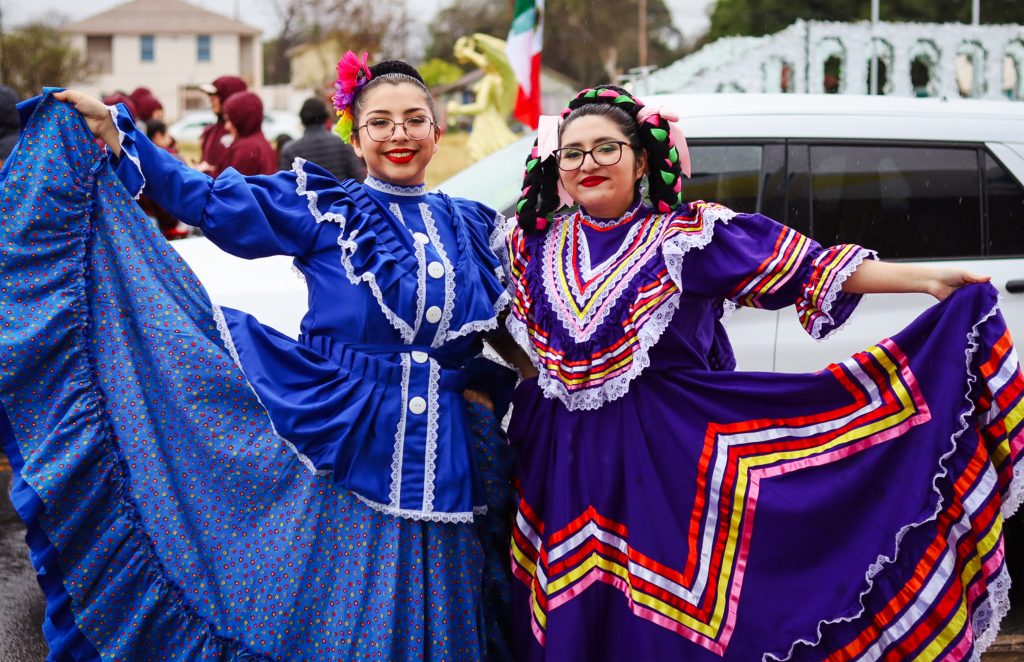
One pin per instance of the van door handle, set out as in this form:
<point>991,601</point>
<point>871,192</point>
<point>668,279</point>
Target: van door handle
<point>1015,286</point>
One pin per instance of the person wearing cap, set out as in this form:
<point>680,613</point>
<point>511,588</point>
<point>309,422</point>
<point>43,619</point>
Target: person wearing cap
<point>212,141</point>
<point>320,146</point>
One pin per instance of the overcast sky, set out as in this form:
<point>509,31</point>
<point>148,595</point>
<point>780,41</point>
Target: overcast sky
<point>690,16</point>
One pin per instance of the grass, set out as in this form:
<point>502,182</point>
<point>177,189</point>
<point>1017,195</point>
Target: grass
<point>450,158</point>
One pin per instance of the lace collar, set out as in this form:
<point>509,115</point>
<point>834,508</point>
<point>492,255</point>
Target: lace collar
<point>395,189</point>
<point>599,223</point>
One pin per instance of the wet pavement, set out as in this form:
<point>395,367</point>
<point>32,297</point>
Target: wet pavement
<point>22,605</point>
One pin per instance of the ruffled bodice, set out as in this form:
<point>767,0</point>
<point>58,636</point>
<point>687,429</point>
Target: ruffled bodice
<point>598,303</point>
<point>400,284</point>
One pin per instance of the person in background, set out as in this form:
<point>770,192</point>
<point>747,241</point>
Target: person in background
<point>321,146</point>
<point>9,123</point>
<point>120,96</point>
<point>249,152</point>
<point>212,141</point>
<point>170,227</point>
<point>150,108</point>
<point>157,132</point>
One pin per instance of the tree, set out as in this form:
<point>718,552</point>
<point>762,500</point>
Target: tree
<point>380,28</point>
<point>439,72</point>
<point>37,55</point>
<point>759,17</point>
<point>592,42</point>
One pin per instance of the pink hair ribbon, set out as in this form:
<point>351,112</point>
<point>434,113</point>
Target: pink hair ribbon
<point>547,143</point>
<point>678,139</point>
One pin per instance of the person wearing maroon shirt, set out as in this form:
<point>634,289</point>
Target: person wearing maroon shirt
<point>249,152</point>
<point>212,138</point>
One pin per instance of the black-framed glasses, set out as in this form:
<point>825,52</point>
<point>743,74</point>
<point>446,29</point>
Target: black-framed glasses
<point>381,129</point>
<point>606,154</point>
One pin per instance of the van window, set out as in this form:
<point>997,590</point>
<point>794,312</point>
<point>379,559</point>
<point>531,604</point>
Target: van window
<point>903,201</point>
<point>1005,198</point>
<point>726,174</point>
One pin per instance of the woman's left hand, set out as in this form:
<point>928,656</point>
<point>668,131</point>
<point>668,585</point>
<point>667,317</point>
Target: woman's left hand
<point>947,281</point>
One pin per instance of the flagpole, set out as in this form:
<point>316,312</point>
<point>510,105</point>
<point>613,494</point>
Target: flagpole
<point>975,12</point>
<point>642,9</point>
<point>874,47</point>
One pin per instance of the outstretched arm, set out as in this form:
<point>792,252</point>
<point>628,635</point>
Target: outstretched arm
<point>874,277</point>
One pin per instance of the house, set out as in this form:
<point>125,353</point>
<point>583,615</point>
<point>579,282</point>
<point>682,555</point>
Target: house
<point>169,46</point>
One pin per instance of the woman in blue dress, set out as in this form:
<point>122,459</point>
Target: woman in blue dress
<point>198,485</point>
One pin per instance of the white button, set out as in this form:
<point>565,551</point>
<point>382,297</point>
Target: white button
<point>417,405</point>
<point>419,357</point>
<point>420,237</point>
<point>435,269</point>
<point>433,314</point>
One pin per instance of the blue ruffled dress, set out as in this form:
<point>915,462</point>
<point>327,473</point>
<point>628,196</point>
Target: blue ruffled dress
<point>198,485</point>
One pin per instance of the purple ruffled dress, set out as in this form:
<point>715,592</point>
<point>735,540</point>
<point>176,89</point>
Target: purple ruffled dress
<point>673,509</point>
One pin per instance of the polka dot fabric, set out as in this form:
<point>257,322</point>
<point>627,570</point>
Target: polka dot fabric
<point>183,528</point>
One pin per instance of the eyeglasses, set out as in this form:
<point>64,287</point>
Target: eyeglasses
<point>606,154</point>
<point>381,129</point>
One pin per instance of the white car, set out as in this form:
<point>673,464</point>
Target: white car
<point>922,180</point>
<point>276,123</point>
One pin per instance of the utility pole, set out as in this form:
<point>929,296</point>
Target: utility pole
<point>874,47</point>
<point>642,17</point>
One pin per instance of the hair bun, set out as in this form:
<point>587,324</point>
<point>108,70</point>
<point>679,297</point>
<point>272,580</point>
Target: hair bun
<point>395,67</point>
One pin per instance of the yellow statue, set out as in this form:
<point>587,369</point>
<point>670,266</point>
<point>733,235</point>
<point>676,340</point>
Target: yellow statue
<point>495,94</point>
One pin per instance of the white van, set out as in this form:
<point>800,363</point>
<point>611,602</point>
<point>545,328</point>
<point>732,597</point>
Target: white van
<point>915,179</point>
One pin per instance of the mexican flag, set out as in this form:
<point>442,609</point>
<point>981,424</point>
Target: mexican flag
<point>523,50</point>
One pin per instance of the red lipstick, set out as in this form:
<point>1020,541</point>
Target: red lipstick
<point>591,181</point>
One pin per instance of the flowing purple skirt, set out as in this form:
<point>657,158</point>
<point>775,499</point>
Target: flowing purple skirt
<point>853,513</point>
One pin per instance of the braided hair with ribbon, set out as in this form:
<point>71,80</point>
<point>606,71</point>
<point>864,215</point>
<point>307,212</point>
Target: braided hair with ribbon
<point>646,128</point>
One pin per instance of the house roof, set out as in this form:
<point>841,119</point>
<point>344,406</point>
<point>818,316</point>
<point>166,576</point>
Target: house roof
<point>159,17</point>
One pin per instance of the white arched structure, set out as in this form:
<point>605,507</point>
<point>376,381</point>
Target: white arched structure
<point>753,64</point>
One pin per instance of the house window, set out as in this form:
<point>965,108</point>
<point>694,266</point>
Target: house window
<point>203,48</point>
<point>99,53</point>
<point>146,48</point>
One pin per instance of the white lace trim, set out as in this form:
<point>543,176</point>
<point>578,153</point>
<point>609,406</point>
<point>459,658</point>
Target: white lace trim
<point>125,153</point>
<point>441,335</point>
<point>421,274</point>
<point>585,267</point>
<point>395,189</point>
<point>606,223</point>
<point>997,602</point>
<point>347,248</point>
<point>419,515</point>
<point>581,329</point>
<point>229,343</point>
<point>430,453</point>
<point>673,249</point>
<point>728,310</point>
<point>395,494</point>
<point>497,242</point>
<point>298,272</point>
<point>835,290</point>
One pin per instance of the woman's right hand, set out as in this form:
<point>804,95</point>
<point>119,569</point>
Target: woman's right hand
<point>96,115</point>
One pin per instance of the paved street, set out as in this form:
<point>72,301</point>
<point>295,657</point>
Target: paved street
<point>21,601</point>
<point>22,605</point>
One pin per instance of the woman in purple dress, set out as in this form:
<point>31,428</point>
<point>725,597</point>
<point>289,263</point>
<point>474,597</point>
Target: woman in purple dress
<point>878,485</point>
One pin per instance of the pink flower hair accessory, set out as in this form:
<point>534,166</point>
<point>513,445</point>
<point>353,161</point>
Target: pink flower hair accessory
<point>352,75</point>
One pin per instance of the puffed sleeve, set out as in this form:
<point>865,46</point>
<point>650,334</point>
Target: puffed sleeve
<point>250,217</point>
<point>755,261</point>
